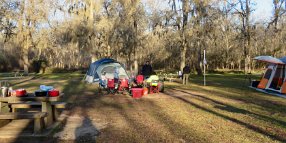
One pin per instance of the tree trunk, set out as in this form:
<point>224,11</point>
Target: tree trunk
<point>26,56</point>
<point>198,64</point>
<point>184,44</point>
<point>183,55</point>
<point>108,51</point>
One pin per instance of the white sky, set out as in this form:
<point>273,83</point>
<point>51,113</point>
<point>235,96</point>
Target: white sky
<point>262,10</point>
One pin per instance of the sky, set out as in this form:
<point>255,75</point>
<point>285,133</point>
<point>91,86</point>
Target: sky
<point>263,10</point>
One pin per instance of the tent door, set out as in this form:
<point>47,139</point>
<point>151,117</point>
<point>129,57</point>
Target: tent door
<point>89,78</point>
<point>277,78</point>
<point>264,80</point>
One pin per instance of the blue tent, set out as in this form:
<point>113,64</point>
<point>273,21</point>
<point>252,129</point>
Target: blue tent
<point>104,65</point>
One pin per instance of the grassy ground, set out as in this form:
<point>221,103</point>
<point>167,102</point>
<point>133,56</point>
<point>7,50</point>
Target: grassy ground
<point>224,111</point>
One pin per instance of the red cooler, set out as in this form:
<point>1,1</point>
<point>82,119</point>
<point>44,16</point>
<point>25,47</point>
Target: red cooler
<point>54,93</point>
<point>137,92</point>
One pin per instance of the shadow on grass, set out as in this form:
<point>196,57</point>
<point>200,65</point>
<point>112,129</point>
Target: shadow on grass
<point>247,125</point>
<point>141,131</point>
<point>230,108</point>
<point>71,89</point>
<point>234,87</point>
<point>86,131</point>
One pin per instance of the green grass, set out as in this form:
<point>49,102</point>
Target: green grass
<point>228,97</point>
<point>225,110</point>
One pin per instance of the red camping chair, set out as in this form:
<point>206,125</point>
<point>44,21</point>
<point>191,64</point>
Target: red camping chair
<point>110,83</point>
<point>139,79</point>
<point>154,86</point>
<point>154,89</point>
<point>123,84</point>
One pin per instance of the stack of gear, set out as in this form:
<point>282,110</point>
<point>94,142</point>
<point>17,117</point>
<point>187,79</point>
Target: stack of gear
<point>152,83</point>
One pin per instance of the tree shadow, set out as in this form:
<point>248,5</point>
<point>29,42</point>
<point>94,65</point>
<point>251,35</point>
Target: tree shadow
<point>247,125</point>
<point>73,88</point>
<point>230,108</point>
<point>86,132</point>
<point>245,95</point>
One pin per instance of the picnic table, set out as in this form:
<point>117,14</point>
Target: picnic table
<point>45,103</point>
<point>18,73</point>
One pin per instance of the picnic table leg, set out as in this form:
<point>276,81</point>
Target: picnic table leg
<point>38,125</point>
<point>47,107</point>
<point>55,113</point>
<point>0,106</point>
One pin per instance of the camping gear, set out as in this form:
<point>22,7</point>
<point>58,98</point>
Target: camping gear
<point>46,88</point>
<point>20,92</point>
<point>110,83</point>
<point>137,92</point>
<point>123,84</point>
<point>41,93</point>
<point>10,91</point>
<point>139,79</point>
<point>152,78</point>
<point>145,91</point>
<point>109,66</point>
<point>273,80</point>
<point>161,86</point>
<point>54,93</point>
<point>152,84</point>
<point>4,91</point>
<point>154,89</point>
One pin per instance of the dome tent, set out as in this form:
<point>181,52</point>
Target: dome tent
<point>104,65</point>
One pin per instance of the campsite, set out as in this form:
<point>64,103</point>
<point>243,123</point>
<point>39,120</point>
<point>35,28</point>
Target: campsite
<point>142,71</point>
<point>227,111</point>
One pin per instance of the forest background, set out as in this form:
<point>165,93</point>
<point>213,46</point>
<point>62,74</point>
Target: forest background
<point>70,34</point>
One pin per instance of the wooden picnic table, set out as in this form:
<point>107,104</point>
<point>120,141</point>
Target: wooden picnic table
<point>45,101</point>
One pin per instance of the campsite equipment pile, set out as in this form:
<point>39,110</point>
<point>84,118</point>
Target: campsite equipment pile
<point>110,75</point>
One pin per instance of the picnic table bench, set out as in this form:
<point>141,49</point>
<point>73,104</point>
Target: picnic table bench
<point>19,73</point>
<point>4,83</point>
<point>47,104</point>
<point>36,116</point>
<point>28,105</point>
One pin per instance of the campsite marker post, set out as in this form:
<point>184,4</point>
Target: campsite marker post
<point>205,62</point>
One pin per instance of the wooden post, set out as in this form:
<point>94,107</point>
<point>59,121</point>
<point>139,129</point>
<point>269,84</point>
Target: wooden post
<point>47,107</point>
<point>0,106</point>
<point>205,62</point>
<point>38,125</point>
<point>55,113</point>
